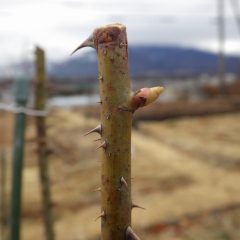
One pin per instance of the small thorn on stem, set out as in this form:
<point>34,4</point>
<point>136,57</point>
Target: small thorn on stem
<point>102,215</point>
<point>123,182</point>
<point>97,129</point>
<point>97,190</point>
<point>100,102</point>
<point>130,235</point>
<point>108,116</point>
<point>137,206</point>
<point>103,145</point>
<point>122,44</point>
<point>100,78</point>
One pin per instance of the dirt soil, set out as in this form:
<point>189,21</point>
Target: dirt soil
<point>182,171</point>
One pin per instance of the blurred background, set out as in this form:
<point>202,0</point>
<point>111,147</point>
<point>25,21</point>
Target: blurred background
<point>185,147</point>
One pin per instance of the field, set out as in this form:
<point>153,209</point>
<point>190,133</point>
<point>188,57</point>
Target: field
<point>186,173</point>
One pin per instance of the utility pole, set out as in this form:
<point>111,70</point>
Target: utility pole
<point>221,39</point>
<point>235,8</point>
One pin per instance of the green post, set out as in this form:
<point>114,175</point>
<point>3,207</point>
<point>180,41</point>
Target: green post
<point>18,152</point>
<point>40,102</point>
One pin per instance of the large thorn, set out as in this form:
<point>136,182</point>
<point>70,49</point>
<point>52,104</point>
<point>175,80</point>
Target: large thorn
<point>102,215</point>
<point>97,129</point>
<point>137,206</point>
<point>130,235</point>
<point>89,42</point>
<point>123,182</point>
<point>103,145</point>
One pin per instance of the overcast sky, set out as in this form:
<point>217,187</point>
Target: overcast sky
<point>60,25</point>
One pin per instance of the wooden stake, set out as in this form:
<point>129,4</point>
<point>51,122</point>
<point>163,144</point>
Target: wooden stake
<point>40,104</point>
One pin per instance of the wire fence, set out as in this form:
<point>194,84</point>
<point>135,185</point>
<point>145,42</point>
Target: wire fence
<point>26,111</point>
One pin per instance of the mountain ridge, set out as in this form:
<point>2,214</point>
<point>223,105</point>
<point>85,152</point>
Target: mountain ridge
<point>149,60</point>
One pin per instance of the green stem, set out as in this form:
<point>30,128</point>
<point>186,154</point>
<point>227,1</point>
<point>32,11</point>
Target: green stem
<point>118,104</point>
<point>116,156</point>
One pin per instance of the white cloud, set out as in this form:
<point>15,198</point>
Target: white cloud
<point>60,25</point>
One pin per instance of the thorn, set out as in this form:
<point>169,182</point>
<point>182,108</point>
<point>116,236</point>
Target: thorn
<point>103,145</point>
<point>97,129</point>
<point>137,206</point>
<point>89,42</point>
<point>123,181</point>
<point>122,44</point>
<point>97,190</point>
<point>100,102</point>
<point>102,215</point>
<point>108,116</point>
<point>100,78</point>
<point>130,235</point>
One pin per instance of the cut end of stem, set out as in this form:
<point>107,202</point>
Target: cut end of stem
<point>103,35</point>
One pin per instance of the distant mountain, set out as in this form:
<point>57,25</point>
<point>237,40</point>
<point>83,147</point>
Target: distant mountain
<point>150,60</point>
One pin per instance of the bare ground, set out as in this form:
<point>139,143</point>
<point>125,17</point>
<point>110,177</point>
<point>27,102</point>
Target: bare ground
<point>181,168</point>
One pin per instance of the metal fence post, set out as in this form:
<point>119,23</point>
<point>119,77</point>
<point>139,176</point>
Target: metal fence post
<point>21,95</point>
